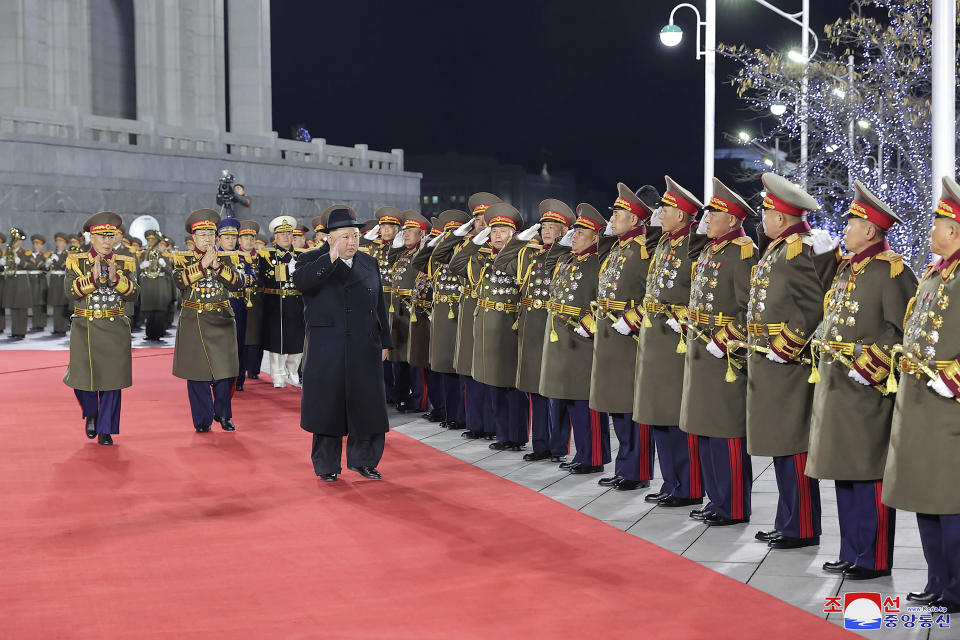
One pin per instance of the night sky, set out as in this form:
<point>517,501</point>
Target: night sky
<point>585,86</point>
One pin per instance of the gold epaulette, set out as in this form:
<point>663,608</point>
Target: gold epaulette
<point>233,255</point>
<point>533,245</point>
<point>909,310</point>
<point>27,252</point>
<point>642,241</point>
<point>794,245</point>
<point>130,262</point>
<point>180,257</point>
<point>895,260</point>
<point>746,247</point>
<point>485,251</point>
<point>73,262</point>
<point>265,253</point>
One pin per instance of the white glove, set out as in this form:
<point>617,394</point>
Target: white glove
<point>463,229</point>
<point>672,323</point>
<point>481,238</point>
<point>527,234</point>
<point>162,262</point>
<point>16,261</point>
<point>567,239</point>
<point>702,227</point>
<point>434,242</point>
<point>397,241</point>
<point>609,230</point>
<point>372,234</point>
<point>772,357</point>
<point>941,388</point>
<point>656,220</point>
<point>3,262</point>
<point>714,350</point>
<point>856,377</point>
<point>621,326</point>
<point>580,331</point>
<point>822,241</point>
<point>49,262</point>
<point>291,266</point>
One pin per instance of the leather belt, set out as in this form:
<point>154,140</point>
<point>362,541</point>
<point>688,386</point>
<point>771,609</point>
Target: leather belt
<point>844,348</point>
<point>206,306</point>
<point>563,309</point>
<point>57,273</point>
<point>387,289</point>
<point>911,365</point>
<point>609,304</point>
<point>281,292</point>
<point>447,297</point>
<point>97,313</point>
<point>403,292</point>
<point>534,303</point>
<point>709,319</point>
<point>483,303</point>
<point>760,329</point>
<point>151,276</point>
<point>421,303</point>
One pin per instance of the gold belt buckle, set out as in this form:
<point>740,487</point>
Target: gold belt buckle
<point>97,313</point>
<point>537,304</point>
<point>498,306</point>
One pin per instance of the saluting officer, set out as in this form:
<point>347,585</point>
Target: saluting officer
<point>228,236</point>
<point>469,268</point>
<point>37,268</point>
<point>568,345</point>
<point>98,282</point>
<point>206,349</point>
<point>251,352</point>
<point>56,296</point>
<point>282,330</point>
<point>381,240</point>
<point>494,362</point>
<point>852,406</point>
<point>156,286</point>
<point>443,329</point>
<point>17,289</point>
<point>921,473</point>
<point>531,264</point>
<point>421,323</point>
<point>786,305</point>
<point>714,406</point>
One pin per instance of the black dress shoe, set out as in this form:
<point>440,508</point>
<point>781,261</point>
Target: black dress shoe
<point>631,485</point>
<point>104,438</point>
<point>328,477</point>
<point>227,424</point>
<point>716,520</point>
<point>654,497</point>
<point>536,455</point>
<point>471,435</point>
<point>516,446</point>
<point>433,416</point>
<point>854,572</point>
<point>17,337</point>
<point>837,567</point>
<point>950,607</point>
<point>457,425</point>
<point>786,542</point>
<point>489,436</point>
<point>239,386</point>
<point>674,501</point>
<point>700,514</point>
<point>498,446</point>
<point>568,465</point>
<point>610,481</point>
<point>202,428</point>
<point>922,597</point>
<point>582,469</point>
<point>561,459</point>
<point>404,407</point>
<point>91,427</point>
<point>256,376</point>
<point>367,472</point>
<point>767,536</point>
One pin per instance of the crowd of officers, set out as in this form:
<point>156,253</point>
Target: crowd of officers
<point>669,321</point>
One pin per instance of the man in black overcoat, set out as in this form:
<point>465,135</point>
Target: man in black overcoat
<point>347,339</point>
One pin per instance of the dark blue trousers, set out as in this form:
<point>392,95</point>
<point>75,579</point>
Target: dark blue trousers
<point>450,386</point>
<point>419,399</point>
<point>538,423</point>
<point>727,476</point>
<point>940,538</point>
<point>591,430</point>
<point>477,402</point>
<point>509,407</point>
<point>560,427</point>
<point>402,382</point>
<point>239,306</point>
<point>867,526</point>
<point>435,391</point>
<point>388,382</point>
<point>635,455</point>
<point>679,454</point>
<point>798,509</point>
<point>252,357</point>
<point>102,405</point>
<point>209,399</point>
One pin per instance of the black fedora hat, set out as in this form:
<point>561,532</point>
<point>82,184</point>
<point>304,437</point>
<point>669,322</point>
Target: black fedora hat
<point>340,216</point>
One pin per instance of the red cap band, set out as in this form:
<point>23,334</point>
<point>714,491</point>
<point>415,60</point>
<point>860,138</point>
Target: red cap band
<point>555,216</point>
<point>870,214</point>
<point>673,200</point>
<point>453,224</point>
<point>588,223</point>
<point>771,201</point>
<point>390,220</point>
<point>632,207</point>
<point>414,224</point>
<point>949,209</point>
<point>728,207</point>
<point>106,229</point>
<point>200,225</point>
<point>502,221</point>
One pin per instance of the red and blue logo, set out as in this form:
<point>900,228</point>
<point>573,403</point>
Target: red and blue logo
<point>862,610</point>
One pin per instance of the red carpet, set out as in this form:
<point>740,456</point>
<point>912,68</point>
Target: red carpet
<point>177,534</point>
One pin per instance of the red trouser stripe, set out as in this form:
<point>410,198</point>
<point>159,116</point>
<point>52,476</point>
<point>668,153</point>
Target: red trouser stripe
<point>736,479</point>
<point>883,529</point>
<point>803,494</point>
<point>596,456</point>
<point>645,471</point>
<point>570,435</point>
<point>423,385</point>
<point>529,414</point>
<point>693,452</point>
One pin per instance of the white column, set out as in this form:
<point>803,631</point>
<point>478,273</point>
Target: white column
<point>248,27</point>
<point>805,40</point>
<point>709,95</point>
<point>942,102</point>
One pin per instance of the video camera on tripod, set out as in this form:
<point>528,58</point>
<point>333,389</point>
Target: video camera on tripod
<point>229,194</point>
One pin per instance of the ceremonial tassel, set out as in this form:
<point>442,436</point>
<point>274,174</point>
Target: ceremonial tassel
<point>896,267</point>
<point>553,332</point>
<point>646,321</point>
<point>450,313</point>
<point>516,323</point>
<point>746,251</point>
<point>413,314</point>
<point>814,371</point>
<point>794,246</point>
<point>891,377</point>
<point>731,376</point>
<point>682,345</point>
<point>391,307</point>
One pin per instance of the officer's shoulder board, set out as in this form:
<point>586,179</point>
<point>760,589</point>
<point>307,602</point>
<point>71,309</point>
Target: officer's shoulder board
<point>746,246</point>
<point>73,261</point>
<point>794,243</point>
<point>128,262</point>
<point>895,260</point>
<point>180,257</point>
<point>265,252</point>
<point>486,251</point>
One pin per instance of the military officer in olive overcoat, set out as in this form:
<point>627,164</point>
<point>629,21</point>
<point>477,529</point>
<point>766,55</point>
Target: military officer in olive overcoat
<point>625,251</point>
<point>567,345</point>
<point>37,266</point>
<point>378,242</point>
<point>17,288</point>
<point>206,350</point>
<point>443,320</point>
<point>660,361</point>
<point>531,264</point>
<point>469,268</point>
<point>282,326</point>
<point>156,286</point>
<point>921,473</point>
<point>852,403</point>
<point>494,334</point>
<point>786,305</point>
<point>228,234</point>
<point>421,323</point>
<point>714,405</point>
<point>99,282</point>
<point>251,351</point>
<point>56,296</point>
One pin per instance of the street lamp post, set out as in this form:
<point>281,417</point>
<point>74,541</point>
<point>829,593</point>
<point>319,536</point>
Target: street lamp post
<point>942,99</point>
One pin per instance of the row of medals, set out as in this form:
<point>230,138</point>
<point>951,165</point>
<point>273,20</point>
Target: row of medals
<point>915,334</point>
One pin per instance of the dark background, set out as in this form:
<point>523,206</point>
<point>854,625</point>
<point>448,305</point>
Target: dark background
<point>584,86</point>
